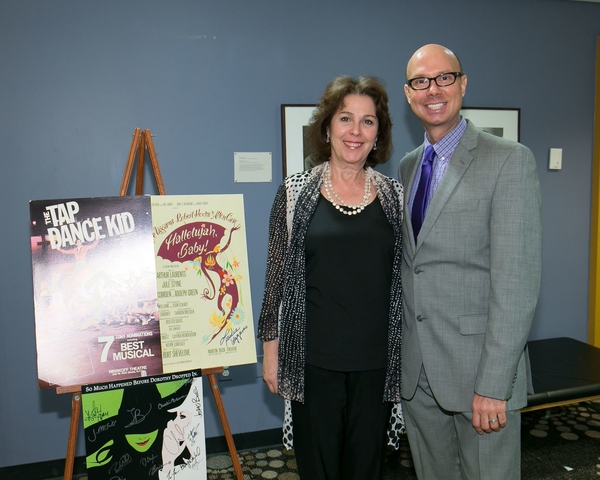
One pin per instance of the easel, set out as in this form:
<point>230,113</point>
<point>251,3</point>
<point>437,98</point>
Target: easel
<point>142,142</point>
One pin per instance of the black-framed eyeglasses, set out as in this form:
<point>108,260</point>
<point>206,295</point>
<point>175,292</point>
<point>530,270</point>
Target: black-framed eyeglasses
<point>442,80</point>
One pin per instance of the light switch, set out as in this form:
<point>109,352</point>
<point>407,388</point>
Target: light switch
<point>555,159</point>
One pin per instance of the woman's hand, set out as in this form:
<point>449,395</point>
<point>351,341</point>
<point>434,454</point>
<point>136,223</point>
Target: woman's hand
<point>270,361</point>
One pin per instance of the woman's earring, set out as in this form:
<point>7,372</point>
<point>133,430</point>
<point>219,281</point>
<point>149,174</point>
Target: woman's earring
<point>375,145</point>
<point>327,137</point>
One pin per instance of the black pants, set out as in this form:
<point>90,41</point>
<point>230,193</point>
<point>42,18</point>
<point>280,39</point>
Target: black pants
<point>340,430</point>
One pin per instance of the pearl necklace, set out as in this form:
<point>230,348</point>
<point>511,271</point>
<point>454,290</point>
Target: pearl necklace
<point>340,204</point>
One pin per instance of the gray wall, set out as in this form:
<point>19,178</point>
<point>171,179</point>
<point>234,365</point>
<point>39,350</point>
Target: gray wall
<point>208,77</point>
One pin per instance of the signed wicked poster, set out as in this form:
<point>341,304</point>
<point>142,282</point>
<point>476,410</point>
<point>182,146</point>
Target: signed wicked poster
<point>145,428</point>
<point>203,282</point>
<point>94,290</point>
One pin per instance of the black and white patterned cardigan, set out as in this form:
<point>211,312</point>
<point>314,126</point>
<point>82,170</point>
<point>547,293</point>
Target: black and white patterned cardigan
<point>283,313</point>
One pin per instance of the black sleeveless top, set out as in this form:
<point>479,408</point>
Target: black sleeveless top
<point>348,280</point>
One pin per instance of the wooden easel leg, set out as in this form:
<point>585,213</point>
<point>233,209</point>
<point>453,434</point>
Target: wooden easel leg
<point>142,142</point>
<point>72,443</point>
<point>154,162</point>
<point>139,178</point>
<point>214,386</point>
<point>130,160</point>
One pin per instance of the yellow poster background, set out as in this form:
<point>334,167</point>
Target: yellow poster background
<point>202,281</point>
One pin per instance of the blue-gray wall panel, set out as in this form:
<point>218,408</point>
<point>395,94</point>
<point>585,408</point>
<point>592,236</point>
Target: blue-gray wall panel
<point>208,77</point>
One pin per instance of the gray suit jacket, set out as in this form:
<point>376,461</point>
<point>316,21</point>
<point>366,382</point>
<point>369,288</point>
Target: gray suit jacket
<point>471,282</point>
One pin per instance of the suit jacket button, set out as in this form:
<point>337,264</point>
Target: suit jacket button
<point>420,318</point>
<point>417,270</point>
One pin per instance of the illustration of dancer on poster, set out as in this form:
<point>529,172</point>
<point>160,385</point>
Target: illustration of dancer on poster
<point>203,281</point>
<point>145,428</point>
<point>94,285</point>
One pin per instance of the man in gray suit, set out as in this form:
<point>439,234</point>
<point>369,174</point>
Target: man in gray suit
<point>471,276</point>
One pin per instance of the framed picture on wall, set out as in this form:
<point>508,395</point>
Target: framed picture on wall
<point>502,122</point>
<point>296,153</point>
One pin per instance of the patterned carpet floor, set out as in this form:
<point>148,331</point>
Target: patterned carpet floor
<point>562,445</point>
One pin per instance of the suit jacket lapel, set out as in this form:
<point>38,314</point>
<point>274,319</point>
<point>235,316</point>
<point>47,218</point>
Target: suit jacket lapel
<point>460,161</point>
<point>411,170</point>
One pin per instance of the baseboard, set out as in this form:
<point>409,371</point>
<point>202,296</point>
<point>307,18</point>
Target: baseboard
<point>214,445</point>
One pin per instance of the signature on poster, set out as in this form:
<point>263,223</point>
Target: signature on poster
<point>101,429</point>
<point>95,414</point>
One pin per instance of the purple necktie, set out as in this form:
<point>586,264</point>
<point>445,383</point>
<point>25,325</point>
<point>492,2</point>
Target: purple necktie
<point>420,202</point>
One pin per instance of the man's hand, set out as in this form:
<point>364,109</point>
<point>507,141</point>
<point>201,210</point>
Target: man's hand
<point>489,414</point>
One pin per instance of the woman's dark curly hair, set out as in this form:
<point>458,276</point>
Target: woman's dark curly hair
<point>333,99</point>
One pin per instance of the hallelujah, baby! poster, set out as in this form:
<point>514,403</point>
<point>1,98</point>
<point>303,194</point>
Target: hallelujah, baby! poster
<point>203,281</point>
